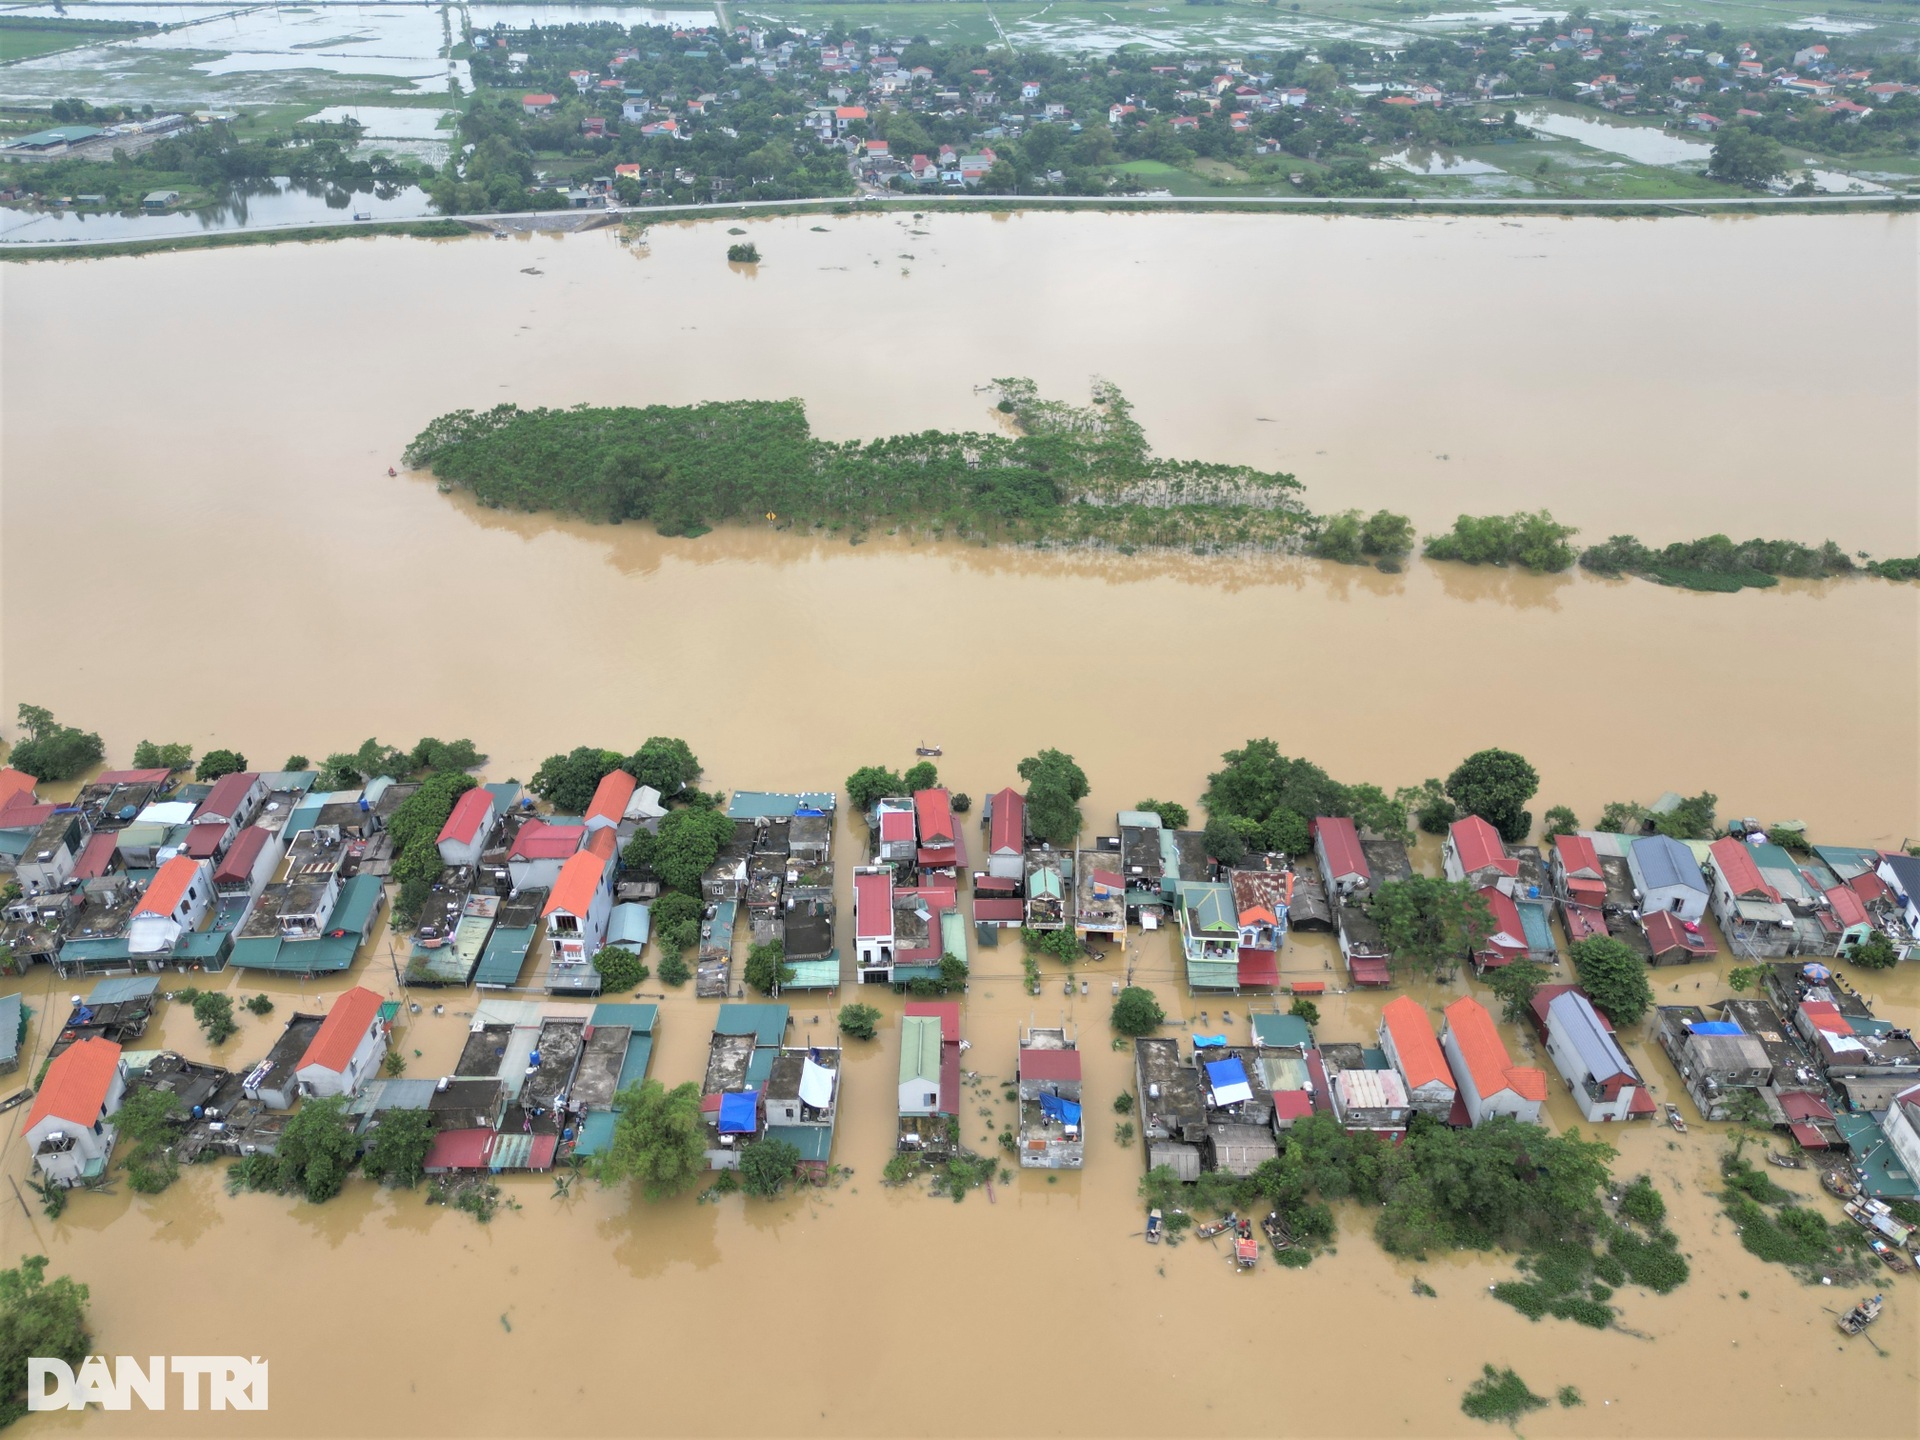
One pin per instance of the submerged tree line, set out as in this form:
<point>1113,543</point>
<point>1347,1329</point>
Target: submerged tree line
<point>1067,475</point>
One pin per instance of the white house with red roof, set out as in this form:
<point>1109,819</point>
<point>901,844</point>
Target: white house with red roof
<point>610,800</point>
<point>1756,921</point>
<point>538,851</point>
<point>940,846</point>
<point>1490,1083</point>
<point>577,910</point>
<point>1005,821</point>
<point>68,1131</point>
<point>1336,843</point>
<point>873,939</point>
<point>232,803</point>
<point>1506,941</point>
<point>537,104</point>
<point>1474,852</point>
<point>1408,1041</point>
<point>346,1050</point>
<point>175,900</point>
<point>1577,873</point>
<point>469,827</point>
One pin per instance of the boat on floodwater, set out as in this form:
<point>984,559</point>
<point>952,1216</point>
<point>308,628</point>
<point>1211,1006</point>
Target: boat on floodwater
<point>1673,1118</point>
<point>1860,1316</point>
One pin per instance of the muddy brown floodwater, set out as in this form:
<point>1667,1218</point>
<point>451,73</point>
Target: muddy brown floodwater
<point>201,543</point>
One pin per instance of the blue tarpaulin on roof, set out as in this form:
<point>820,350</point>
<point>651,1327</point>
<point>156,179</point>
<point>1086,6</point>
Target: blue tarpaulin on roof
<point>740,1112</point>
<point>1201,1042</point>
<point>1717,1027</point>
<point>1223,1073</point>
<point>1067,1112</point>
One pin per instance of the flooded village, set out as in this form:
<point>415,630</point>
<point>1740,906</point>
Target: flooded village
<point>790,661</point>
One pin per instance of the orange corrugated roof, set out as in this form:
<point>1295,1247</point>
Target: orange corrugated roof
<point>340,1033</point>
<point>602,842</point>
<point>611,795</point>
<point>168,886</point>
<point>578,879</point>
<point>1485,1053</point>
<point>16,787</point>
<point>1413,1039</point>
<point>77,1083</point>
<point>1527,1082</point>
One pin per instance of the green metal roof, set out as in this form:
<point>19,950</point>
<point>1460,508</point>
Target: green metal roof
<point>208,947</point>
<point>506,953</point>
<point>260,953</point>
<point>81,952</point>
<point>920,1049</point>
<point>815,974</point>
<point>1213,974</point>
<point>354,910</point>
<point>760,1067</point>
<point>637,1018</point>
<point>1881,1172</point>
<point>1209,907</point>
<point>814,1142</point>
<point>953,933</point>
<point>596,1133</point>
<point>1044,882</point>
<point>633,1069</point>
<point>903,973</point>
<point>1288,1030</point>
<point>766,1023</point>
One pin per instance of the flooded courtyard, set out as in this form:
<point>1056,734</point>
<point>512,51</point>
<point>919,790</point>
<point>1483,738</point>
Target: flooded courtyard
<point>201,542</point>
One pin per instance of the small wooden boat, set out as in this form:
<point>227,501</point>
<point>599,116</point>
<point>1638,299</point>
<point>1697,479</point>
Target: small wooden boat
<point>19,1097</point>
<point>1218,1227</point>
<point>363,214</point>
<point>1889,1257</point>
<point>1785,1162</point>
<point>926,749</point>
<point>1860,1316</point>
<point>1154,1226</point>
<point>1277,1231</point>
<point>1246,1254</point>
<point>1673,1118</point>
<point>1838,1183</point>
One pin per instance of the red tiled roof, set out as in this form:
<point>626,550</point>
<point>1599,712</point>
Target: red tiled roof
<point>130,777</point>
<point>1307,987</point>
<point>469,813</point>
<point>237,864</point>
<point>611,795</point>
<point>229,792</point>
<point>896,825</point>
<point>1420,1059</point>
<point>1259,967</point>
<point>1808,1136</point>
<point>1847,908</point>
<point>1583,921</point>
<point>1825,1015</point>
<point>538,840</point>
<point>1666,931</point>
<point>1292,1104</point>
<point>536,99</point>
<point>1578,857</point>
<point>1369,970</point>
<point>16,787</point>
<point>1049,1064</point>
<point>96,856</point>
<point>1478,846</point>
<point>872,906</point>
<point>986,910</point>
<point>850,112</point>
<point>1797,1105</point>
<point>203,841</point>
<point>77,1083</point>
<point>933,812</point>
<point>1341,841</point>
<point>27,817</point>
<point>1485,1053</point>
<point>574,887</point>
<point>458,1150</point>
<point>1868,886</point>
<point>168,886</point>
<point>1735,863</point>
<point>340,1033</point>
<point>947,1012</point>
<point>602,842</point>
<point>1508,935</point>
<point>1009,829</point>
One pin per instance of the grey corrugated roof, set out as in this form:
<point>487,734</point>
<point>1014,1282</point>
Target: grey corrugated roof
<point>1664,861</point>
<point>123,988</point>
<point>9,1028</point>
<point>1597,1048</point>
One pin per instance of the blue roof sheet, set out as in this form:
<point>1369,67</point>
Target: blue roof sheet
<point>1222,1073</point>
<point>596,1133</point>
<point>740,1112</point>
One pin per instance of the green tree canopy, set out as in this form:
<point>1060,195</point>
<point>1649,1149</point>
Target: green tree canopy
<point>1876,952</point>
<point>1428,923</point>
<point>149,756</point>
<point>398,1154</point>
<point>567,782</point>
<point>1516,983</point>
<point>860,1021</point>
<point>1055,788</point>
<point>1223,839</point>
<point>767,967</point>
<point>38,1317</point>
<point>667,764</point>
<point>1496,785</point>
<point>767,1165</point>
<point>1257,780</point>
<point>687,844</point>
<point>1614,977</point>
<point>1137,1012</point>
<point>619,969</point>
<point>924,775</point>
<point>1559,821</point>
<point>316,1150</point>
<point>1746,158</point>
<point>1691,819</point>
<point>216,763</point>
<point>48,750</point>
<point>872,783</point>
<point>659,1139</point>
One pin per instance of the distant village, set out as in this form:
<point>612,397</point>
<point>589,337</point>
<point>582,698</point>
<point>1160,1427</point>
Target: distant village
<point>145,877</point>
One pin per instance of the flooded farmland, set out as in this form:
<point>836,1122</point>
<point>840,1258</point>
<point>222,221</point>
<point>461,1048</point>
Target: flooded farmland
<point>201,542</point>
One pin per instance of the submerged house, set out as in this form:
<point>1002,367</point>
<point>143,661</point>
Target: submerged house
<point>1261,900</point>
<point>745,1044</point>
<point>929,1078</point>
<point>1756,921</point>
<point>347,1049</point>
<point>1051,1135</point>
<point>577,911</point>
<point>873,938</point>
<point>1209,935</point>
<point>1490,1083</point>
<point>463,839</point>
<point>1004,818</point>
<point>174,903</point>
<point>1666,877</point>
<point>1582,1046</point>
<point>801,1101</point>
<point>1173,1112</point>
<point>1473,852</point>
<point>69,1130</point>
<point>1408,1041</point>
